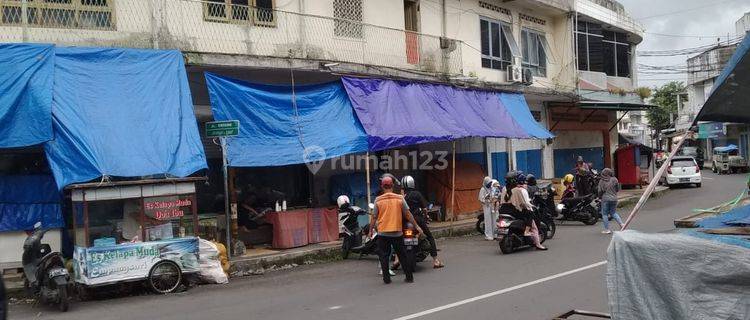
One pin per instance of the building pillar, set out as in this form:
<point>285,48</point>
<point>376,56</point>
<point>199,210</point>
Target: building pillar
<point>607,149</point>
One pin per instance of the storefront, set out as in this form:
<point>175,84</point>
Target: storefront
<point>139,125</point>
<point>341,131</point>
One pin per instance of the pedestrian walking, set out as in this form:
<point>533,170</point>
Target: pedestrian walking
<point>388,216</point>
<point>607,190</point>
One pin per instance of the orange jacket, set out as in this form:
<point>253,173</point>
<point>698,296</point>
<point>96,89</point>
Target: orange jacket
<point>390,212</point>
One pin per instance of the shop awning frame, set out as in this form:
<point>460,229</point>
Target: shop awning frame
<point>614,106</point>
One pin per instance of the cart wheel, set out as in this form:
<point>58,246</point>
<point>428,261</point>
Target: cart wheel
<point>165,276</point>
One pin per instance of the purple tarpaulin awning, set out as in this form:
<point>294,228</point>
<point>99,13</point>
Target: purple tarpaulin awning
<point>399,113</point>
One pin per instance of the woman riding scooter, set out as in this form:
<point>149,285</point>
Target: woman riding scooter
<point>519,198</point>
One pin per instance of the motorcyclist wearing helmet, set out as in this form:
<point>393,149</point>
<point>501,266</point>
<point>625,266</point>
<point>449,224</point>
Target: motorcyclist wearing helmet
<point>388,219</point>
<point>418,206</point>
<point>485,198</point>
<point>519,198</point>
<point>570,190</point>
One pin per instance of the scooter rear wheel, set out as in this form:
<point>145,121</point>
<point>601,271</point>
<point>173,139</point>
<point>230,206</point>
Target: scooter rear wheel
<point>63,303</point>
<point>506,245</point>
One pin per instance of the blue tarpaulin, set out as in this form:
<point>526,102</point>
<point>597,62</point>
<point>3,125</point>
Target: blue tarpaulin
<point>122,113</point>
<point>731,218</point>
<point>728,148</point>
<point>25,94</point>
<point>516,104</point>
<point>399,113</point>
<point>28,199</point>
<point>275,132</point>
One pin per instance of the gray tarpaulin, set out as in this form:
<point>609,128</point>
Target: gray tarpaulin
<point>677,276</point>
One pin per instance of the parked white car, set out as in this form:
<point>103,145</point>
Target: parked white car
<point>683,170</point>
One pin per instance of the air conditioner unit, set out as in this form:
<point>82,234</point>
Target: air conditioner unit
<point>515,73</point>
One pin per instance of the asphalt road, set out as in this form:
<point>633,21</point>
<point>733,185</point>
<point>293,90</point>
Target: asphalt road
<point>478,283</point>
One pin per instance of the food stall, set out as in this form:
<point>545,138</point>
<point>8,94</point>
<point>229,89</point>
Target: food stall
<point>144,230</point>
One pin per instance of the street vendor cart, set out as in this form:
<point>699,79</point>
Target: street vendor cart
<point>128,231</point>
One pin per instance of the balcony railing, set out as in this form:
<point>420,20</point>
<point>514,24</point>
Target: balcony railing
<point>211,27</point>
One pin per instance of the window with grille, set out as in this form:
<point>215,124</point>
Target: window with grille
<point>256,12</point>
<point>535,50</point>
<point>348,15</point>
<point>69,14</point>
<point>498,45</point>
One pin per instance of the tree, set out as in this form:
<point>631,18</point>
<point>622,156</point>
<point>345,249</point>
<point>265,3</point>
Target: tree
<point>665,100</point>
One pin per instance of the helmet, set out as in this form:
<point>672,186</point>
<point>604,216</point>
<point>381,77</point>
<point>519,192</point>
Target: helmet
<point>387,180</point>
<point>342,200</point>
<point>510,178</point>
<point>531,179</point>
<point>408,182</point>
<point>568,178</point>
<point>521,178</point>
<point>487,182</point>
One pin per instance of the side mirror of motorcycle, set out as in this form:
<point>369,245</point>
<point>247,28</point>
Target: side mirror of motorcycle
<point>38,225</point>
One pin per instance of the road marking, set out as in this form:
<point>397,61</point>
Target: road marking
<point>335,308</point>
<point>708,178</point>
<point>499,292</point>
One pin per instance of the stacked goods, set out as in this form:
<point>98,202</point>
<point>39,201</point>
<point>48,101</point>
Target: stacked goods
<point>210,259</point>
<point>223,257</point>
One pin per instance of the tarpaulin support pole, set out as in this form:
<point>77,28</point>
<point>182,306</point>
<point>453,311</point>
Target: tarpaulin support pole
<point>651,186</point>
<point>453,185</point>
<point>367,176</point>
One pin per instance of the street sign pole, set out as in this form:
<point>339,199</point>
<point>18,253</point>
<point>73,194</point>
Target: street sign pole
<point>227,210</point>
<point>222,130</point>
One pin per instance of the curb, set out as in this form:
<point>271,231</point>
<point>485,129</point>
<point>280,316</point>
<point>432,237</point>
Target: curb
<point>632,200</point>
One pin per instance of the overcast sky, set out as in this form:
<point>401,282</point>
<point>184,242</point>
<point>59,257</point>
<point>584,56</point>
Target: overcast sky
<point>710,18</point>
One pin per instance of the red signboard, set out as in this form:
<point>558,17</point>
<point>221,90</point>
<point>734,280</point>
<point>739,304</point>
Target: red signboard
<point>167,208</point>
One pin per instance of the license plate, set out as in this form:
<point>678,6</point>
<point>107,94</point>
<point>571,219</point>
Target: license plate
<point>502,231</point>
<point>684,179</point>
<point>58,272</point>
<point>411,241</point>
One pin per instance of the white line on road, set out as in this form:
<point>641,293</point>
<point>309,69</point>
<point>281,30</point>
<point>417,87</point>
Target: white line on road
<point>708,178</point>
<point>499,292</point>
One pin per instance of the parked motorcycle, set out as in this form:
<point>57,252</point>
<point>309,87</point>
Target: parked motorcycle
<point>584,209</point>
<point>354,238</point>
<point>510,232</point>
<point>44,271</point>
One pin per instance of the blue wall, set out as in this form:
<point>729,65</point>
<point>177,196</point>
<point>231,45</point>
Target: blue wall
<point>499,165</point>
<point>565,159</point>
<point>530,161</point>
<point>476,157</point>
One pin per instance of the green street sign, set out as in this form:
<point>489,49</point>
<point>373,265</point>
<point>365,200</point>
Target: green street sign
<point>217,129</point>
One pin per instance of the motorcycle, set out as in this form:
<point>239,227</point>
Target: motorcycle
<point>355,239</point>
<point>44,271</point>
<point>584,209</point>
<point>510,232</point>
<point>543,199</point>
<point>416,245</point>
